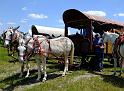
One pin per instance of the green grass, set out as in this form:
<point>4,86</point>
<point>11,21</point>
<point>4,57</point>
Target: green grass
<point>75,80</point>
<point>3,54</point>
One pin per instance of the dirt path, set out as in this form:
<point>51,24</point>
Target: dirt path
<point>84,76</point>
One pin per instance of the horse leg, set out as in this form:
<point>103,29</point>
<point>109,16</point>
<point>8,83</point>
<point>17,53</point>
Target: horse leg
<point>8,50</point>
<point>27,67</point>
<point>121,66</point>
<point>115,66</point>
<point>22,69</point>
<point>67,62</point>
<point>44,68</point>
<point>66,66</point>
<point>38,61</point>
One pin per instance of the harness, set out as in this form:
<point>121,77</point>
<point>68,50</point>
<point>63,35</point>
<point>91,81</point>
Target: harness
<point>41,50</point>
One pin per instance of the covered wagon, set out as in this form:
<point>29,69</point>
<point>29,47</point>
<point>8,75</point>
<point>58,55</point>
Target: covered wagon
<point>47,31</point>
<point>87,25</point>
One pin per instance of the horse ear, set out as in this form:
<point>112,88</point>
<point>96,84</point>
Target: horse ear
<point>16,28</point>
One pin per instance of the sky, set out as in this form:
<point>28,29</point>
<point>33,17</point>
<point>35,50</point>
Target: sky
<point>25,13</point>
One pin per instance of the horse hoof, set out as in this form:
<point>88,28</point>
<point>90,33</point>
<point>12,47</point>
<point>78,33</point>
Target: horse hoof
<point>63,75</point>
<point>67,70</point>
<point>26,76</point>
<point>38,79</point>
<point>9,54</point>
<point>114,74</point>
<point>44,79</point>
<point>119,74</point>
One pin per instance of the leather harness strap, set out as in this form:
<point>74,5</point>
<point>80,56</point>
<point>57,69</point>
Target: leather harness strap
<point>41,49</point>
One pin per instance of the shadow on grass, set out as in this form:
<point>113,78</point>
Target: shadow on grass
<point>108,65</point>
<point>14,81</point>
<point>117,81</point>
<point>56,66</point>
<point>60,66</point>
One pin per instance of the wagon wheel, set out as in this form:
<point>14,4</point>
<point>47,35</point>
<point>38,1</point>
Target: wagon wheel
<point>84,51</point>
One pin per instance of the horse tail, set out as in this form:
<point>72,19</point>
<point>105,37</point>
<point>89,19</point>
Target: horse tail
<point>72,53</point>
<point>119,51</point>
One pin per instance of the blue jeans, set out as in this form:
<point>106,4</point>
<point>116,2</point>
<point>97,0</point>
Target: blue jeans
<point>99,59</point>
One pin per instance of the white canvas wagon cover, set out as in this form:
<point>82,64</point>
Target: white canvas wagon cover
<point>35,29</point>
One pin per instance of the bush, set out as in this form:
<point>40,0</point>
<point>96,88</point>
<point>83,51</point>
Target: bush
<point>1,41</point>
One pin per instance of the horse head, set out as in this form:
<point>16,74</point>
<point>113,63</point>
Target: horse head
<point>109,37</point>
<point>25,47</point>
<point>2,36</point>
<point>105,37</point>
<point>10,34</point>
<point>21,49</point>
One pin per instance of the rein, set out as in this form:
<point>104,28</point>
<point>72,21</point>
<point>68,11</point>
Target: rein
<point>21,55</point>
<point>8,39</point>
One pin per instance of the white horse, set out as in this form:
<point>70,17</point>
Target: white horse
<point>119,53</point>
<point>43,47</point>
<point>23,40</point>
<point>13,38</point>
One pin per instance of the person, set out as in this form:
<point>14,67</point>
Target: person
<point>99,52</point>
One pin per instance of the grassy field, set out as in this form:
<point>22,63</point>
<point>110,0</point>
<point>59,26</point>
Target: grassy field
<point>75,80</point>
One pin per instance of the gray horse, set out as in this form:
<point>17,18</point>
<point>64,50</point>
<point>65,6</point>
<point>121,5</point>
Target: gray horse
<point>118,49</point>
<point>42,48</point>
<point>12,39</point>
